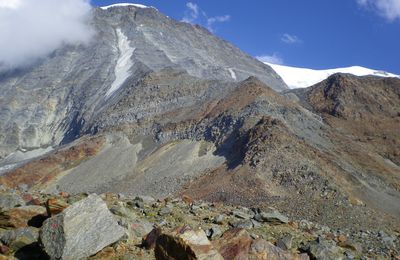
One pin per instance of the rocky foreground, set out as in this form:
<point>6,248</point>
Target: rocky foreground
<point>109,226</point>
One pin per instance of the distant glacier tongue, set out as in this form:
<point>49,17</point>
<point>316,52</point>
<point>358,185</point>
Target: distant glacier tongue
<point>124,62</point>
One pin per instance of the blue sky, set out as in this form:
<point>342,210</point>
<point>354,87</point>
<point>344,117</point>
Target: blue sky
<point>317,34</point>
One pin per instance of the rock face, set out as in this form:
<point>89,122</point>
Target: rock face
<point>72,96</point>
<point>81,230</point>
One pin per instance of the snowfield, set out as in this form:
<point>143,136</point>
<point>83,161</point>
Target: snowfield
<point>124,62</point>
<point>124,4</point>
<point>303,78</point>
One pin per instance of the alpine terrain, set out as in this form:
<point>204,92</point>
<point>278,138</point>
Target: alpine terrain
<point>158,140</point>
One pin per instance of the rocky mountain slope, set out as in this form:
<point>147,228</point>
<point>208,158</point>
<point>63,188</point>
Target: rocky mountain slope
<point>75,83</point>
<point>154,107</point>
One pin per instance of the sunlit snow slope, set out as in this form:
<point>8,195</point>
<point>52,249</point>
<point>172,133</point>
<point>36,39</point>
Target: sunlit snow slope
<point>302,77</point>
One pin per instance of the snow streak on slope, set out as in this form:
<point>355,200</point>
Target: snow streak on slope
<point>123,4</point>
<point>303,78</point>
<point>233,74</point>
<point>124,62</point>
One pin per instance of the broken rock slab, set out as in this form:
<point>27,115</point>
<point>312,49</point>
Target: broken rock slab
<point>185,243</point>
<point>81,230</point>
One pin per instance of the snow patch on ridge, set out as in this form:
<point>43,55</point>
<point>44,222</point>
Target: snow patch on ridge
<point>233,74</point>
<point>122,5</point>
<point>124,62</point>
<point>303,78</point>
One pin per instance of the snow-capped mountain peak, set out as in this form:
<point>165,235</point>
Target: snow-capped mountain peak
<point>124,4</point>
<point>302,77</point>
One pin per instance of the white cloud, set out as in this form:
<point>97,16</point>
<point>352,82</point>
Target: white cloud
<point>224,18</point>
<point>10,3</point>
<point>274,59</point>
<point>290,39</point>
<point>32,29</point>
<point>390,9</point>
<point>194,14</point>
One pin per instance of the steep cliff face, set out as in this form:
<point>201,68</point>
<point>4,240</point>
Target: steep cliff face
<point>50,102</point>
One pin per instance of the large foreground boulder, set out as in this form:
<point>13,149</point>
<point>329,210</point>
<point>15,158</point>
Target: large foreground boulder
<point>81,230</point>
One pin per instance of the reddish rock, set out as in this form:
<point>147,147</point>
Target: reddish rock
<point>185,243</point>
<point>36,202</point>
<point>237,244</point>
<point>294,224</point>
<point>64,194</point>
<point>55,206</point>
<point>4,249</point>
<point>341,238</point>
<point>149,241</point>
<point>234,244</point>
<point>27,197</point>
<point>187,199</point>
<point>22,217</point>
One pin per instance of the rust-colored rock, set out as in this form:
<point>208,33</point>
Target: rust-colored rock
<point>64,194</point>
<point>234,244</point>
<point>4,249</point>
<point>185,243</point>
<point>55,206</point>
<point>237,244</point>
<point>149,241</point>
<point>187,199</point>
<point>341,238</point>
<point>22,217</point>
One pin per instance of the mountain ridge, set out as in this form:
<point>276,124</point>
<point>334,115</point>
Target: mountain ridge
<point>296,77</point>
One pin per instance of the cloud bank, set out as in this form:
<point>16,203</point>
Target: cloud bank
<point>194,14</point>
<point>390,9</point>
<point>32,29</point>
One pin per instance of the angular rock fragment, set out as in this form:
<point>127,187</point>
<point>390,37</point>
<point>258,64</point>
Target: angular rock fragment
<point>18,238</point>
<point>22,217</point>
<point>261,249</point>
<point>274,217</point>
<point>238,244</point>
<point>185,243</point>
<point>55,206</point>
<point>234,244</point>
<point>149,241</point>
<point>81,230</point>
<point>10,200</point>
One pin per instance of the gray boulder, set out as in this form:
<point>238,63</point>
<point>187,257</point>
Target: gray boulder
<point>81,230</point>
<point>274,217</point>
<point>10,200</point>
<point>18,238</point>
